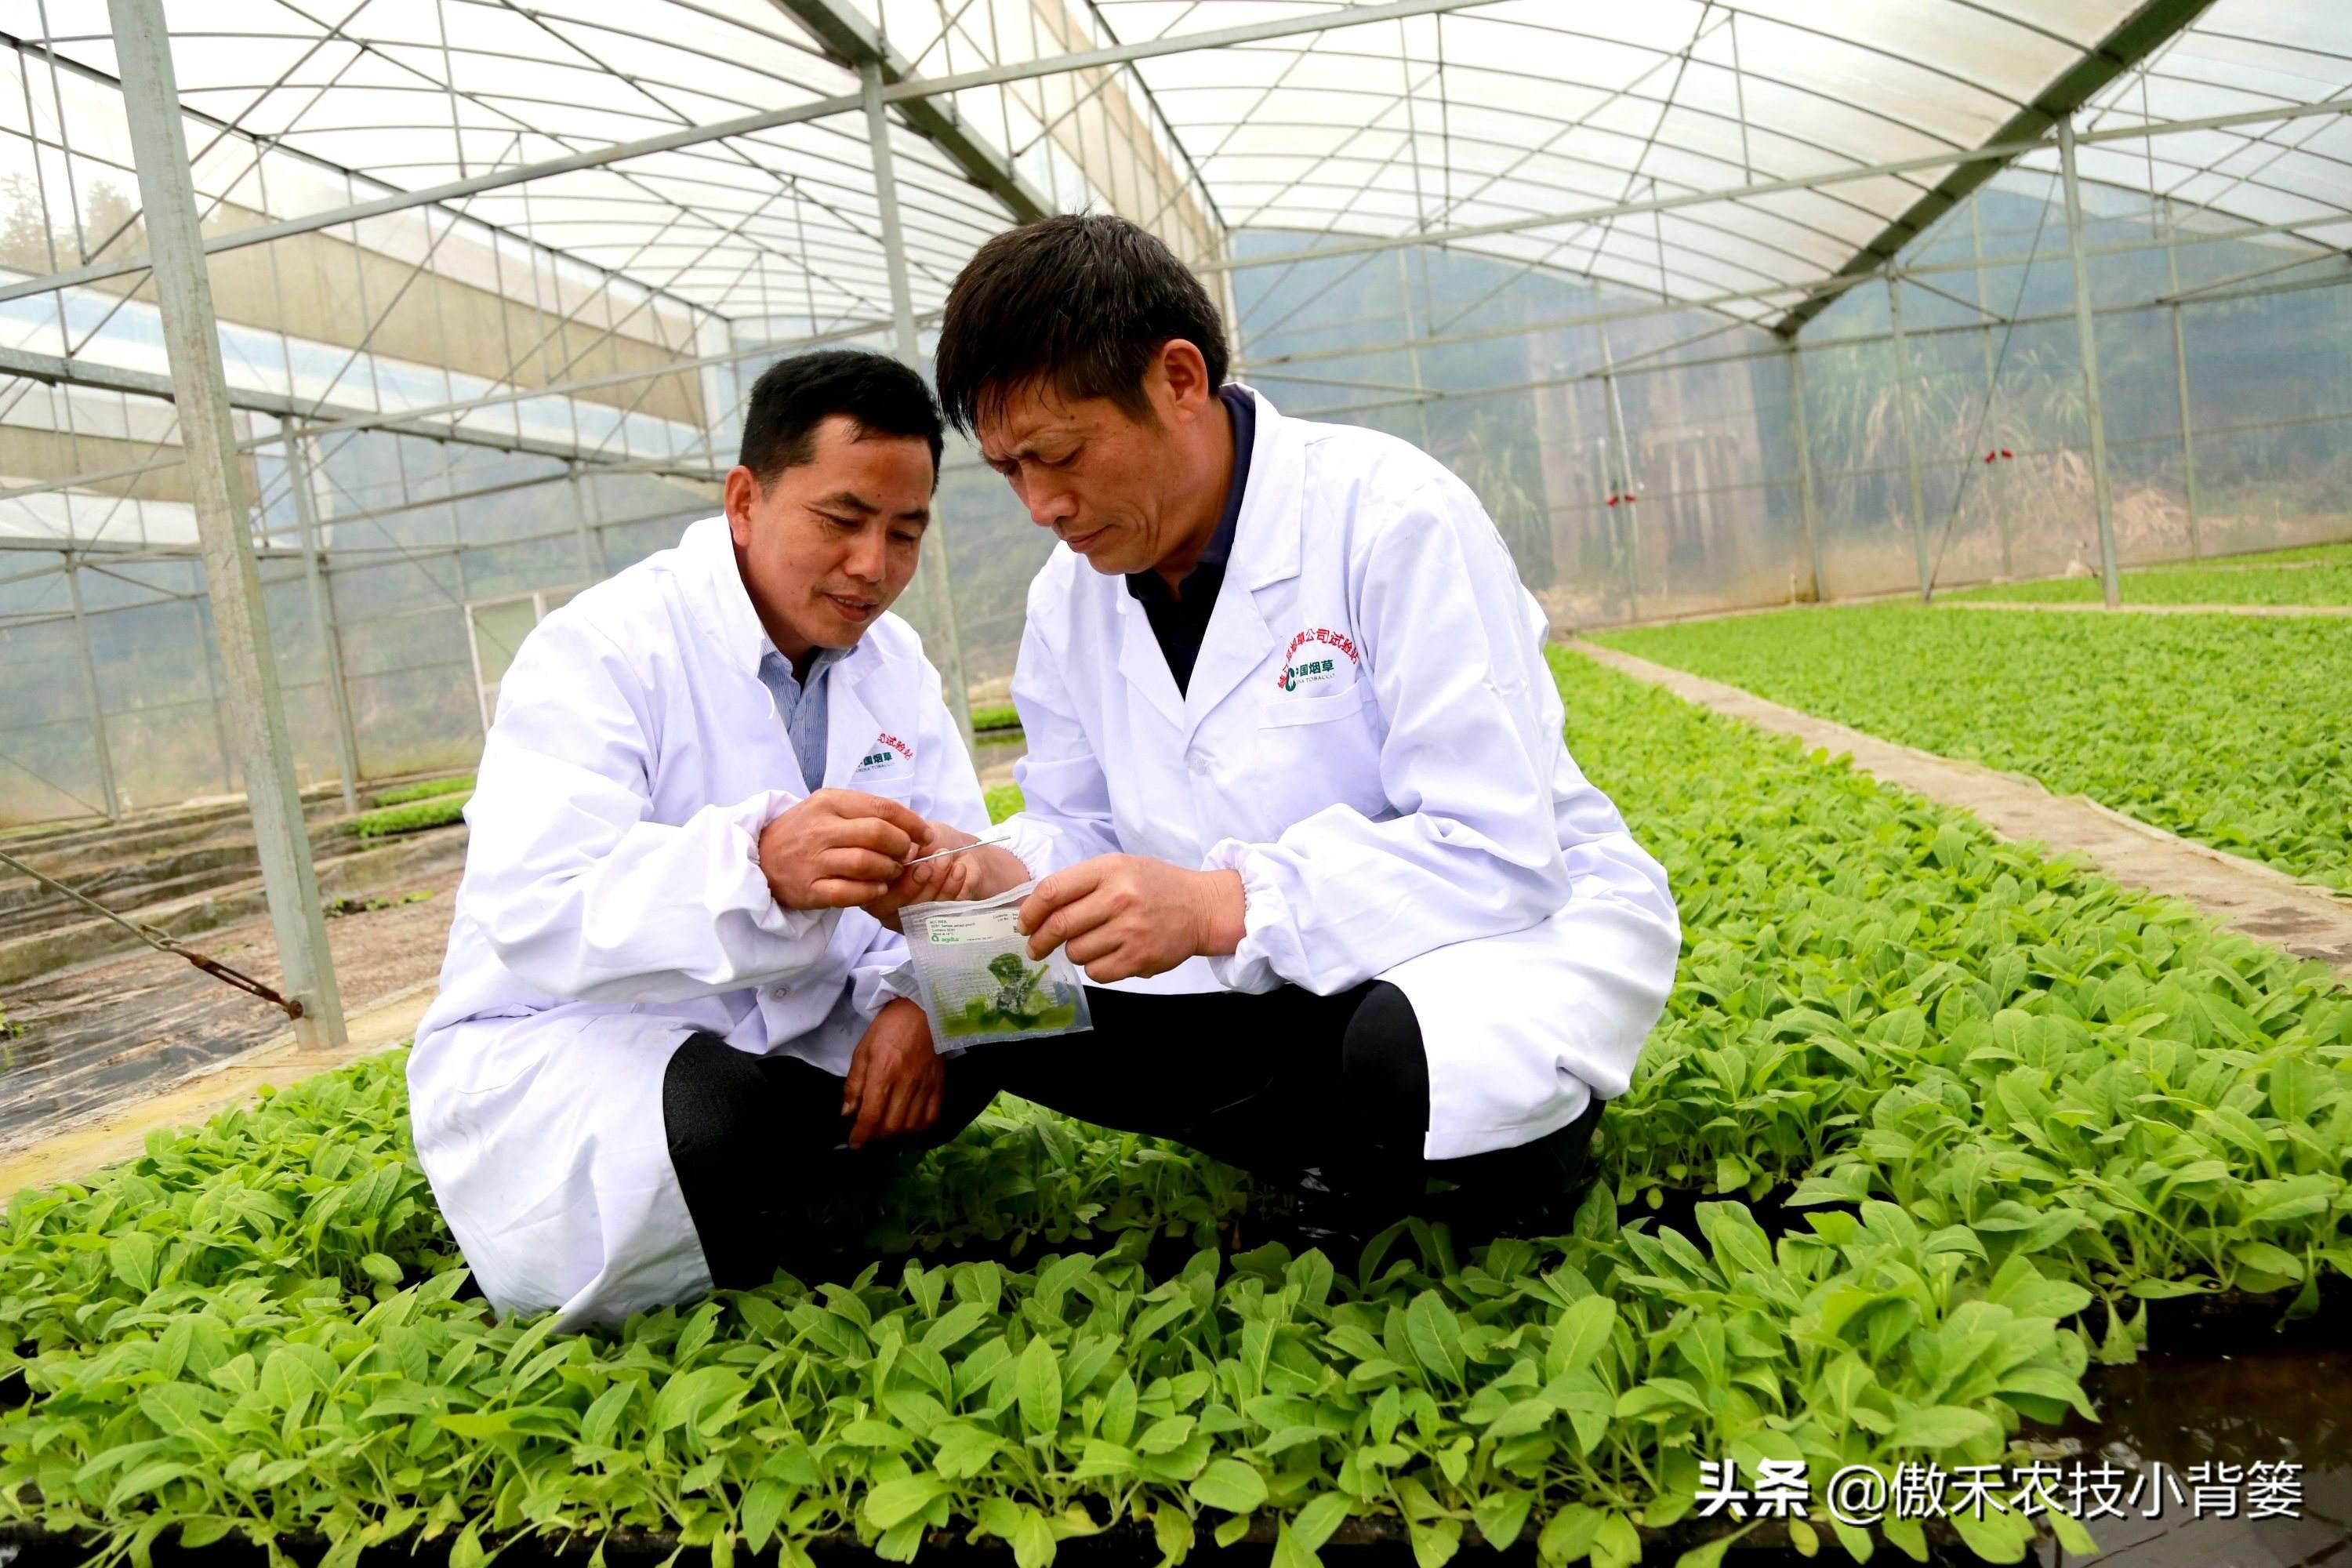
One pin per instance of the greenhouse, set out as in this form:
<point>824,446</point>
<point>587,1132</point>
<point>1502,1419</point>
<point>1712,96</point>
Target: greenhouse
<point>1923,425</point>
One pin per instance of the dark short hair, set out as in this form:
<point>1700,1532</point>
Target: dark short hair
<point>793,396</point>
<point>1086,299</point>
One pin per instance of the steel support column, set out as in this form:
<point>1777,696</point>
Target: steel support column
<point>151,100</point>
<point>1411,333</point>
<point>1620,482</point>
<point>591,537</point>
<point>104,753</point>
<point>323,614</point>
<point>2180,374</point>
<point>1229,301</point>
<point>2087,331</point>
<point>213,694</point>
<point>1992,365</point>
<point>946,647</point>
<point>465,595</point>
<point>903,340</point>
<point>1910,442</point>
<point>1805,469</point>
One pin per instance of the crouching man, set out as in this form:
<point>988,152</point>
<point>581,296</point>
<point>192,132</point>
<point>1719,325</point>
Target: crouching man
<point>1295,775</point>
<point>672,1028</point>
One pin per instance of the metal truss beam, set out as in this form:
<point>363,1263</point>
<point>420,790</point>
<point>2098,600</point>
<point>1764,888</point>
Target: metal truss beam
<point>1711,301</point>
<point>1778,349</point>
<point>768,120</point>
<point>128,550</point>
<point>1991,153</point>
<point>2145,30</point>
<point>852,41</point>
<point>315,419</point>
<point>213,123</point>
<point>82,373</point>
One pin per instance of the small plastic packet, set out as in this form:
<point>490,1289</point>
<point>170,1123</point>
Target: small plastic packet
<point>975,979</point>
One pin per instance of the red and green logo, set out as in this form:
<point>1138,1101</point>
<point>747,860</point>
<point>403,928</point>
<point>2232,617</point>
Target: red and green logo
<point>1324,650</point>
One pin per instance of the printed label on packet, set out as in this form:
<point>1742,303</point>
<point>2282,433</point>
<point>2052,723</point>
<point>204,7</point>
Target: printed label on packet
<point>982,925</point>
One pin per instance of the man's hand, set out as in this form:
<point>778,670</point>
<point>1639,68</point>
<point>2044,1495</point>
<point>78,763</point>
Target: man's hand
<point>977,874</point>
<point>896,1079</point>
<point>923,884</point>
<point>1121,916</point>
<point>920,884</point>
<point>836,848</point>
<point>981,874</point>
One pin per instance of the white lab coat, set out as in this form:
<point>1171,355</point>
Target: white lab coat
<point>1372,739</point>
<point>613,904</point>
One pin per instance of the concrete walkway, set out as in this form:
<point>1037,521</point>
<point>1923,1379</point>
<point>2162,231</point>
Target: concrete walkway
<point>2094,605</point>
<point>2233,563</point>
<point>2264,903</point>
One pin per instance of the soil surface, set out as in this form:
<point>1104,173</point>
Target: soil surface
<point>94,1037</point>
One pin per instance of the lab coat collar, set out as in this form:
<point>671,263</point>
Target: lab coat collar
<point>722,606</point>
<point>850,726</point>
<point>1141,661</point>
<point>1266,551</point>
<point>1265,539</point>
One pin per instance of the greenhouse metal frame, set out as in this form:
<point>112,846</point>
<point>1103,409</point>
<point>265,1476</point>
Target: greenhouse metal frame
<point>1692,171</point>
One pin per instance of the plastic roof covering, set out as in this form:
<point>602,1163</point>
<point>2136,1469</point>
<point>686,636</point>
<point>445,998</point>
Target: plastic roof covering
<point>411,93</point>
<point>2240,56</point>
<point>1544,106</point>
<point>1489,113</point>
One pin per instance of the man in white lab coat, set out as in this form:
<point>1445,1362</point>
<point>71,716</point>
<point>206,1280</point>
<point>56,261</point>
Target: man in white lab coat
<point>1295,752</point>
<point>672,1033</point>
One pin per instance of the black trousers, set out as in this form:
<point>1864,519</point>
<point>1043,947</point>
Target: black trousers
<point>1325,1095</point>
<point>762,1154</point>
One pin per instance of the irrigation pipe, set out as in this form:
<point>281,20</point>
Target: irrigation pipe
<point>163,943</point>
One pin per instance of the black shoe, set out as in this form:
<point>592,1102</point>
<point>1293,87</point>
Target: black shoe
<point>1314,1210</point>
<point>1533,1189</point>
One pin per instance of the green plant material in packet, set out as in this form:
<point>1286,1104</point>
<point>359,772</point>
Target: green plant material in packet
<point>975,979</point>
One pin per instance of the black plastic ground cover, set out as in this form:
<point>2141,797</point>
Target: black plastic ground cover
<point>1358,1543</point>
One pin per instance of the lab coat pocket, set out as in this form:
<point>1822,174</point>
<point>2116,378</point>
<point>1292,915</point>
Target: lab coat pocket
<point>897,782</point>
<point>1280,713</point>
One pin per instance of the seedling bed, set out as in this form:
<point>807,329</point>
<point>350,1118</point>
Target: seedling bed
<point>1991,1090</point>
<point>1358,1543</point>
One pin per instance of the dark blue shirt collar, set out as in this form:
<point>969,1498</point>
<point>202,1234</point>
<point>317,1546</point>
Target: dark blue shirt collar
<point>1242,414</point>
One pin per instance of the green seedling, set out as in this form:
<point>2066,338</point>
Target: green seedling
<point>2006,1103</point>
<point>2229,729</point>
<point>438,811</point>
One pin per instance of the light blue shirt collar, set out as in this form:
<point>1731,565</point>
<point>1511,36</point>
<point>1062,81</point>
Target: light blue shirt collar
<point>803,705</point>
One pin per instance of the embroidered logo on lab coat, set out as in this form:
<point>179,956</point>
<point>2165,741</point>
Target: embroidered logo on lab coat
<point>1317,657</point>
<point>886,750</point>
